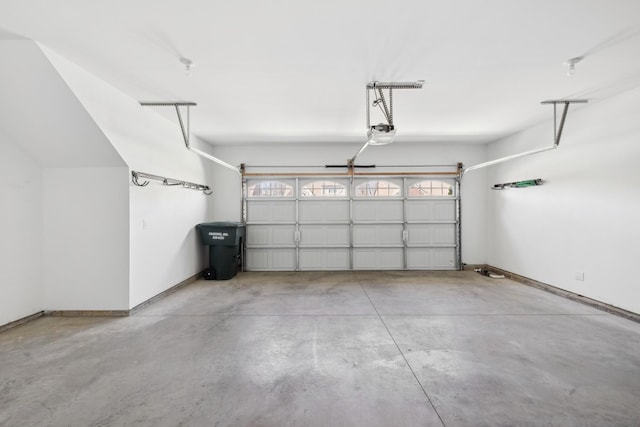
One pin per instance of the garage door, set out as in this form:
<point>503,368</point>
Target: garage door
<point>346,223</point>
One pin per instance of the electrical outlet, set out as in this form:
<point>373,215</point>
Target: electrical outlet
<point>145,224</point>
<point>579,275</point>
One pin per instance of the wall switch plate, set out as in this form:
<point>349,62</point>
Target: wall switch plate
<point>145,224</point>
<point>579,275</point>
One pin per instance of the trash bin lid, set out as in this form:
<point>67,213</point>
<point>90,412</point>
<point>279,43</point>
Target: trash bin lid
<point>221,224</point>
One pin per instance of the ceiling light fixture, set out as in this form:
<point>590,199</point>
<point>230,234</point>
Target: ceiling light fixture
<point>189,65</point>
<point>571,63</point>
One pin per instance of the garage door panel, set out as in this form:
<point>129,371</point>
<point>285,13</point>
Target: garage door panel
<point>271,259</point>
<point>271,212</point>
<point>324,235</point>
<point>329,224</point>
<point>431,234</point>
<point>377,234</point>
<point>431,210</point>
<point>377,210</point>
<point>431,258</point>
<point>271,235</point>
<point>324,211</point>
<point>324,259</point>
<point>378,259</point>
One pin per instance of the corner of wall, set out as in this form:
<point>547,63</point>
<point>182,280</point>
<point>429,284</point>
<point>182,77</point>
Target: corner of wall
<point>21,230</point>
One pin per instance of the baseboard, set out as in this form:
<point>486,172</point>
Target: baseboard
<point>166,293</point>
<point>22,321</point>
<point>101,313</point>
<point>87,313</point>
<point>567,294</point>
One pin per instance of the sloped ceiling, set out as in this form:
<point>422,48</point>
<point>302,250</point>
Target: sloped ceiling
<point>295,70</point>
<point>41,115</point>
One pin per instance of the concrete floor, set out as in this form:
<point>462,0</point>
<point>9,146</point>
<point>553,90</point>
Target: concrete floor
<point>329,349</point>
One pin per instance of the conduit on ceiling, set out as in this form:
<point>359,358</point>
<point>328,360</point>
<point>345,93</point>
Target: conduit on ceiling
<point>186,131</point>
<point>557,134</point>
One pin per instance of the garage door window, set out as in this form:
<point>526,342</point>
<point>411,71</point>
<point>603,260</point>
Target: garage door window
<point>378,188</point>
<point>270,189</point>
<point>324,189</point>
<point>430,189</point>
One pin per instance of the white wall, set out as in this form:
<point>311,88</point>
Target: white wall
<point>69,141</point>
<point>167,251</point>
<point>585,216</point>
<point>21,231</point>
<point>226,200</point>
<point>86,238</point>
<point>45,127</point>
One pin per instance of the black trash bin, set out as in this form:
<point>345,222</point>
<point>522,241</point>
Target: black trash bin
<point>225,241</point>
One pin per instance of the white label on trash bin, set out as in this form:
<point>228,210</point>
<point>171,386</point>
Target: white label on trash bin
<point>218,236</point>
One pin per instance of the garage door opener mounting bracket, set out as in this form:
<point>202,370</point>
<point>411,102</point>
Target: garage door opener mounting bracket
<point>557,134</point>
<point>186,132</point>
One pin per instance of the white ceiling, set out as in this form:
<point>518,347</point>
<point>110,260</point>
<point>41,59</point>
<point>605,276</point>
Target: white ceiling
<point>295,70</point>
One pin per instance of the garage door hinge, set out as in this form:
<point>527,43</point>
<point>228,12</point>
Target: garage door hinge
<point>405,235</point>
<point>296,236</point>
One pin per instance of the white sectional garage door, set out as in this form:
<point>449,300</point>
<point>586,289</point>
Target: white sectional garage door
<point>362,223</point>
